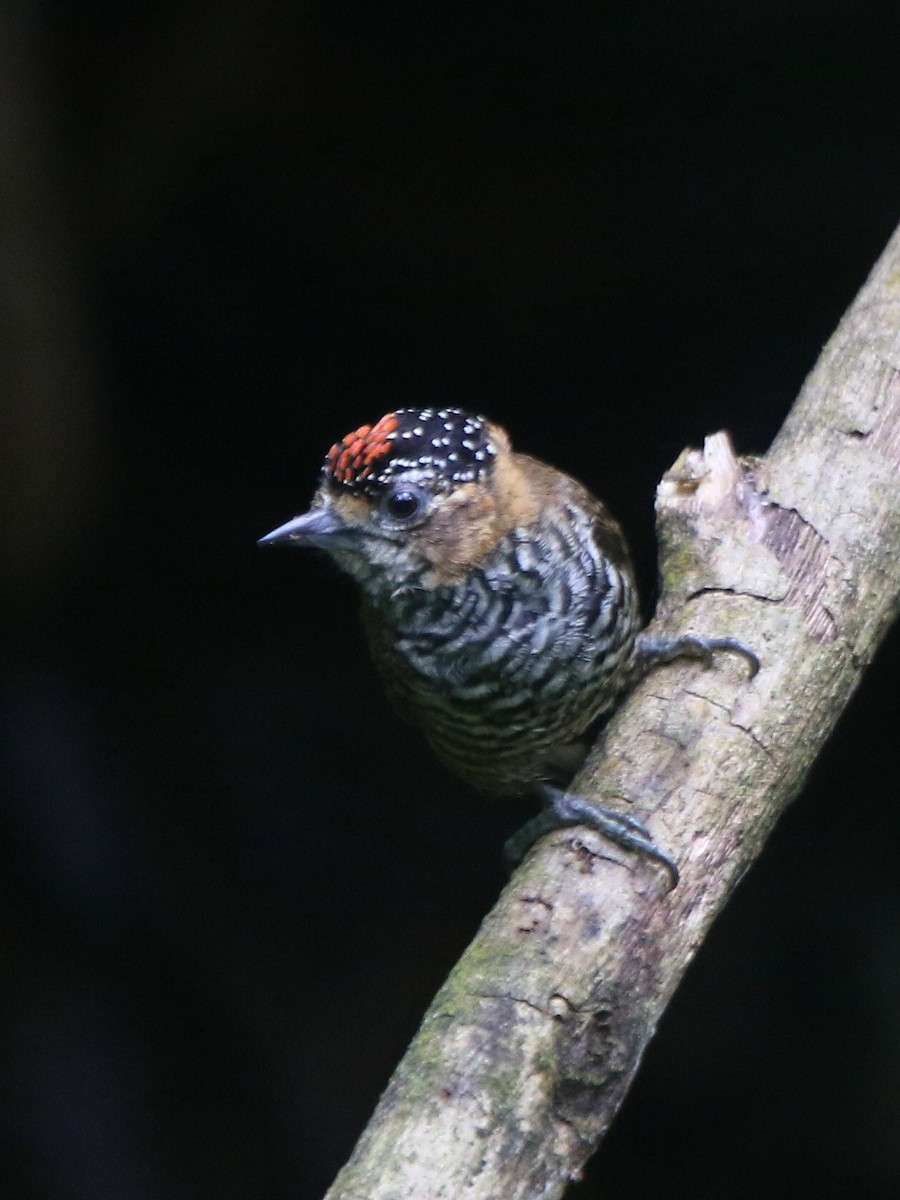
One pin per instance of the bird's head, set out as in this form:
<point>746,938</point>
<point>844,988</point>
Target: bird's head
<point>416,500</point>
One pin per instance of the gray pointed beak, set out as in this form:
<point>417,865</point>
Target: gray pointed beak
<point>311,529</point>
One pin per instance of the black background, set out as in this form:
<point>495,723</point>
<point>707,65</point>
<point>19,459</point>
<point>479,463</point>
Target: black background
<point>231,881</point>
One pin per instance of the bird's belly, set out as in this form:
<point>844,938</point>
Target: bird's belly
<point>499,709</point>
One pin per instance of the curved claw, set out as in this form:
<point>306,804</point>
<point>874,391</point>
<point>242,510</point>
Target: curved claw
<point>736,646</point>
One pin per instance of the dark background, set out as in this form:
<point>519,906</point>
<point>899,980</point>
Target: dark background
<point>231,881</point>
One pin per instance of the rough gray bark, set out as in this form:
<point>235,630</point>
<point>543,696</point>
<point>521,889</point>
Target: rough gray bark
<point>528,1049</point>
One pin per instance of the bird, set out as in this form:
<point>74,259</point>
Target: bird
<point>499,603</point>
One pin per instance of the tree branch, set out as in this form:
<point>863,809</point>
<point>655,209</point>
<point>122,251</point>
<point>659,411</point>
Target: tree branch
<point>530,1046</point>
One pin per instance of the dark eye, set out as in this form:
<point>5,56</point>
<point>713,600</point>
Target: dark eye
<point>404,503</point>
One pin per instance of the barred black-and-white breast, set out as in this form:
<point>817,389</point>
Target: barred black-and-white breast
<point>499,598</point>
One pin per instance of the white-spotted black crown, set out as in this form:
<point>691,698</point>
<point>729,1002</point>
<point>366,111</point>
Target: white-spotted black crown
<point>445,446</point>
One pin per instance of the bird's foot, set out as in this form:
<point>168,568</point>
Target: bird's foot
<point>651,649</point>
<point>563,810</point>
